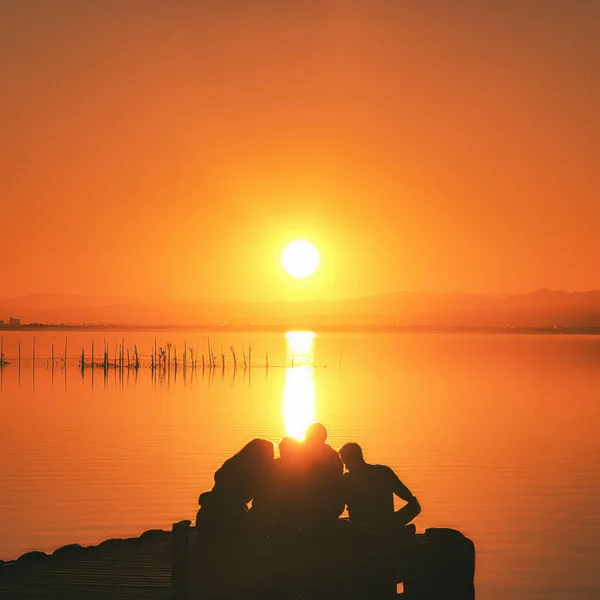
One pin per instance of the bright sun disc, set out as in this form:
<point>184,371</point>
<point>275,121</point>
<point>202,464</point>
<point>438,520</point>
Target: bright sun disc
<point>300,259</point>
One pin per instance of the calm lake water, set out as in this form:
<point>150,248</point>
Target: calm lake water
<point>498,436</point>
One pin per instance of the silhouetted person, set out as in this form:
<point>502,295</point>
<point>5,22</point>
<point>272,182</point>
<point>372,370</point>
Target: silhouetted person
<point>323,499</point>
<point>302,488</point>
<point>291,454</point>
<point>369,492</point>
<point>223,510</point>
<point>277,502</point>
<point>319,453</point>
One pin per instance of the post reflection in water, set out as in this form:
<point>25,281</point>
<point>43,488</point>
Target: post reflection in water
<point>299,386</point>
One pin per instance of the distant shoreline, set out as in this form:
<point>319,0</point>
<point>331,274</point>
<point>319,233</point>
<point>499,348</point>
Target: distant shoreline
<point>457,329</point>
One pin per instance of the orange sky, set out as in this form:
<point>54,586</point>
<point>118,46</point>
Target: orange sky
<point>169,149</point>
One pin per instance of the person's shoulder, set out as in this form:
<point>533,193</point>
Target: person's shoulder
<point>378,467</point>
<point>330,457</point>
<point>383,470</point>
<point>331,451</point>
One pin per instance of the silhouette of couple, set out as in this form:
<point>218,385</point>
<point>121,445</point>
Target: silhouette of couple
<point>305,487</point>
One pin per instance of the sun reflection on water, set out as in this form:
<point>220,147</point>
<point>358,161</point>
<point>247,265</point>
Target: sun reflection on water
<point>299,386</point>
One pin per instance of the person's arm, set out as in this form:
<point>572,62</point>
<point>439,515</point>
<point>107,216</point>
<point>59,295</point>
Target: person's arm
<point>412,508</point>
<point>399,488</point>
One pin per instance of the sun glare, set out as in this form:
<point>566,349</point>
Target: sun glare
<point>300,259</point>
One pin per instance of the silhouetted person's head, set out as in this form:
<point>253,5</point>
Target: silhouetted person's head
<point>237,474</point>
<point>256,454</point>
<point>316,434</point>
<point>289,448</point>
<point>352,455</point>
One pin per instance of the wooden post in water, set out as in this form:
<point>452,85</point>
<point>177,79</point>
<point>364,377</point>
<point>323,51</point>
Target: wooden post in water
<point>105,362</point>
<point>82,361</point>
<point>249,363</point>
<point>179,556</point>
<point>184,355</point>
<point>66,344</point>
<point>137,358</point>
<point>19,359</point>
<point>266,360</point>
<point>33,364</point>
<point>92,354</point>
<point>175,356</point>
<point>128,364</point>
<point>196,355</point>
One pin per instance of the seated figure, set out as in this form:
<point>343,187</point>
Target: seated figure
<point>320,454</point>
<point>323,499</point>
<point>369,492</point>
<point>277,508</point>
<point>303,487</point>
<point>223,511</point>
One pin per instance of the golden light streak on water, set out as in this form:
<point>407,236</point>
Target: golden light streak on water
<point>299,386</point>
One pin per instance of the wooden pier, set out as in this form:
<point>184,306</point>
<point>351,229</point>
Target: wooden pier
<point>436,565</point>
<point>130,569</point>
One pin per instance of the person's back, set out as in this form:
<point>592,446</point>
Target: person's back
<point>223,510</point>
<point>278,506</point>
<point>320,454</point>
<point>234,483</point>
<point>323,492</point>
<point>369,491</point>
<point>285,478</point>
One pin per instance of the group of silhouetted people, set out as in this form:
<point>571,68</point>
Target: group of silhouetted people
<point>305,487</point>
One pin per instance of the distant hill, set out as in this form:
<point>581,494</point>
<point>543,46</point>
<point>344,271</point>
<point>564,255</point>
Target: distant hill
<point>542,308</point>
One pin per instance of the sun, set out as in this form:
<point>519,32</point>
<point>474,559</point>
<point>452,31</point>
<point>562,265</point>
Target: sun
<point>300,259</point>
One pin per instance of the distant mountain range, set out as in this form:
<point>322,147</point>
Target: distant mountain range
<point>542,308</point>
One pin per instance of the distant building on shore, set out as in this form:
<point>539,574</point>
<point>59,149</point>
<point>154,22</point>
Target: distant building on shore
<point>11,321</point>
